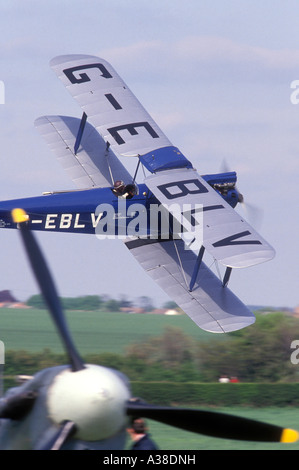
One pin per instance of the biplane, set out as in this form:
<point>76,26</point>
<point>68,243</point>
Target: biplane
<point>83,406</point>
<point>169,222</point>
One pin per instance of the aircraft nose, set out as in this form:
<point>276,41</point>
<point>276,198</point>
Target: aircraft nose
<point>240,197</point>
<point>93,398</point>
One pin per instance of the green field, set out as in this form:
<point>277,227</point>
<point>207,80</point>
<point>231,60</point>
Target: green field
<point>169,438</point>
<point>93,332</point>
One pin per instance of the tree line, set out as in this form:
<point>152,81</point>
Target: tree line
<point>97,302</point>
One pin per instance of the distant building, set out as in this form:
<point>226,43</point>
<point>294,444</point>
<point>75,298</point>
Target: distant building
<point>296,311</point>
<point>156,311</point>
<point>132,310</point>
<point>173,311</point>
<point>7,297</point>
<point>9,301</point>
<point>165,311</point>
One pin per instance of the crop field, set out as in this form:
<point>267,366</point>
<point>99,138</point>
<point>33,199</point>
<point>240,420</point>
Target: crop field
<point>93,332</point>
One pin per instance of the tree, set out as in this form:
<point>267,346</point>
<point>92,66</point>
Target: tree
<point>146,303</point>
<point>112,305</point>
<point>170,305</point>
<point>36,301</point>
<point>124,302</point>
<point>87,302</point>
<point>260,352</point>
<point>165,357</point>
<point>171,348</point>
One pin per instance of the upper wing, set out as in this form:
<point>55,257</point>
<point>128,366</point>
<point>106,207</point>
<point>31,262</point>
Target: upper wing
<point>92,164</point>
<point>110,106</point>
<point>211,306</point>
<point>208,219</point>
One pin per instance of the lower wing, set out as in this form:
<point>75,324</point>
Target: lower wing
<point>209,304</point>
<point>87,159</point>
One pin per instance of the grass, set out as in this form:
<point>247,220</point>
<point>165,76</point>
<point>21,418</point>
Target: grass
<point>169,438</point>
<point>93,332</point>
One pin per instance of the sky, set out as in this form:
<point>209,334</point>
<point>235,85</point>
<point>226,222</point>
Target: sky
<point>215,75</point>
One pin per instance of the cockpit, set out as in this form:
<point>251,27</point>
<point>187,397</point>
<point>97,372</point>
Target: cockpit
<point>125,191</point>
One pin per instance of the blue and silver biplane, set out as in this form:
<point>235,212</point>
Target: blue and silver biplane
<point>84,406</point>
<point>169,222</point>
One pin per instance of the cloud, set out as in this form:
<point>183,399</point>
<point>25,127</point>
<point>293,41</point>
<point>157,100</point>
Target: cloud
<point>213,58</point>
<point>221,49</point>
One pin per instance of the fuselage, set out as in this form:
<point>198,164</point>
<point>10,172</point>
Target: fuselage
<point>77,211</point>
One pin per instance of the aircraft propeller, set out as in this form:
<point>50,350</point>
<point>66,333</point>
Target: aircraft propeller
<point>93,403</point>
<point>254,214</point>
<point>47,287</point>
<point>213,424</point>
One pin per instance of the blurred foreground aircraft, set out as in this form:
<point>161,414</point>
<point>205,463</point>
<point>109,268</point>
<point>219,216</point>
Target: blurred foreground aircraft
<point>83,406</point>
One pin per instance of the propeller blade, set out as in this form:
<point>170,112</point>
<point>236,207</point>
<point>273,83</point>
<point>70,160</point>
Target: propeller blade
<point>47,286</point>
<point>224,167</point>
<point>213,424</point>
<point>17,406</point>
<point>253,214</point>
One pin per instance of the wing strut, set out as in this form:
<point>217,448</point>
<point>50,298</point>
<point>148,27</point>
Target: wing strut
<point>136,171</point>
<point>196,268</point>
<point>226,277</point>
<point>108,163</point>
<point>80,132</point>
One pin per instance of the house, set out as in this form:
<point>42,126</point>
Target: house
<point>7,297</point>
<point>131,310</point>
<point>165,311</point>
<point>9,301</point>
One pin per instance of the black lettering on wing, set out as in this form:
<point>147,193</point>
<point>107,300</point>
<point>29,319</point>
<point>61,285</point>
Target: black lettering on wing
<point>189,215</point>
<point>113,101</point>
<point>83,77</point>
<point>182,188</point>
<point>234,240</point>
<point>114,131</point>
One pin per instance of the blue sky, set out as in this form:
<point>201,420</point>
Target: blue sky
<point>215,76</point>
